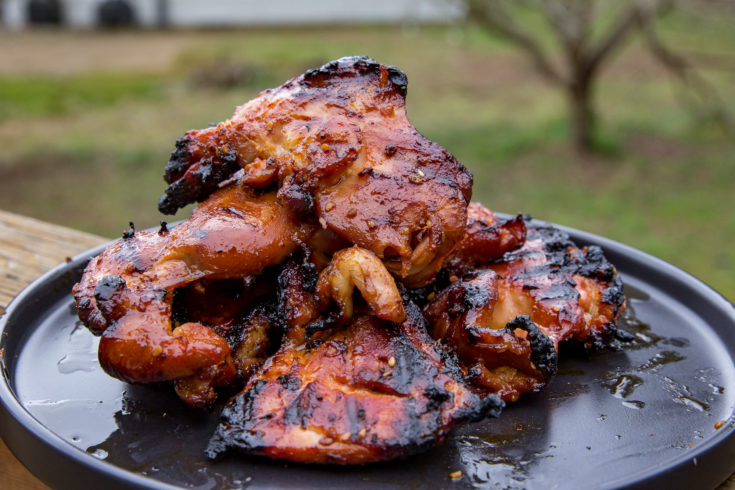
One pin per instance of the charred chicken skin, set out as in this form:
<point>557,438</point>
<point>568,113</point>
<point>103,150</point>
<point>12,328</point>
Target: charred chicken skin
<point>506,320</point>
<point>572,293</point>
<point>506,357</point>
<point>372,391</point>
<point>126,292</point>
<point>334,271</point>
<point>338,146</point>
<point>327,160</point>
<point>486,239</point>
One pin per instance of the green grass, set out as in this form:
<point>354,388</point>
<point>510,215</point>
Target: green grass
<point>23,97</point>
<point>87,149</point>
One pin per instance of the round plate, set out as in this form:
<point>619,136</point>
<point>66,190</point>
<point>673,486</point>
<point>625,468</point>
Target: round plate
<point>658,412</point>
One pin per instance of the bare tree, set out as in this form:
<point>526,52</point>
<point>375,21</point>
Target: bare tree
<point>584,54</point>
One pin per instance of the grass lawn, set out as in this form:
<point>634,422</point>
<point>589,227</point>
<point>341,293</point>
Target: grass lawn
<point>87,124</point>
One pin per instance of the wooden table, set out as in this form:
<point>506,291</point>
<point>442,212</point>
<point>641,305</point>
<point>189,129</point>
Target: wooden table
<point>28,248</point>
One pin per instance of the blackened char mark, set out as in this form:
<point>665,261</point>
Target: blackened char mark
<point>484,406</point>
<point>562,290</point>
<point>330,321</point>
<point>193,181</point>
<point>436,397</point>
<point>589,262</point>
<point>107,295</point>
<point>554,239</point>
<point>291,383</point>
<point>543,353</point>
<point>296,282</point>
<point>298,200</point>
<point>464,297</point>
<point>490,406</point>
<point>420,296</point>
<point>476,297</point>
<point>411,365</point>
<point>361,65</point>
<point>130,232</point>
<point>596,265</point>
<point>178,162</point>
<point>614,295</point>
<point>301,410</point>
<point>231,427</point>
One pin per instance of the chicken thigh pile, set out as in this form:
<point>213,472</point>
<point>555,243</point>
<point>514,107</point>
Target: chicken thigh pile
<point>336,274</point>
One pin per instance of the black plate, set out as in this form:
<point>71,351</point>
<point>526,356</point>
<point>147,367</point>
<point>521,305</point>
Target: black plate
<point>638,417</point>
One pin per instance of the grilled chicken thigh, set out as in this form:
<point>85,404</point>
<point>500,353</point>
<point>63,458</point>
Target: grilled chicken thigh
<point>334,273</point>
<point>505,320</point>
<point>372,391</point>
<point>338,146</point>
<point>126,292</point>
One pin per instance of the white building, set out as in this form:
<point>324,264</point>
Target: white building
<point>86,14</point>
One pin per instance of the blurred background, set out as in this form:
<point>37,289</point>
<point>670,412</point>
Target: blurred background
<point>612,116</point>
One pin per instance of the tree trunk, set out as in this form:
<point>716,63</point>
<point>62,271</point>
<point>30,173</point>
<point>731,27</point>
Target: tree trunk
<point>583,114</point>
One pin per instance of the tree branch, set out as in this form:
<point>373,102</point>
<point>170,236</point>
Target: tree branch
<point>570,20</point>
<point>617,34</point>
<point>494,15</point>
<point>638,15</point>
<point>683,70</point>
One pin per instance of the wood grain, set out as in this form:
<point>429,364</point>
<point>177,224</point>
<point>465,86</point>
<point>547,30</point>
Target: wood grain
<point>14,474</point>
<point>28,248</point>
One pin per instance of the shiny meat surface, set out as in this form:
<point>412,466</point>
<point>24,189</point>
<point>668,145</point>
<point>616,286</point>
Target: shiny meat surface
<point>506,320</point>
<point>370,392</point>
<point>572,293</point>
<point>486,239</point>
<point>338,146</point>
<point>335,272</point>
<point>125,294</point>
<point>358,268</point>
<point>506,357</point>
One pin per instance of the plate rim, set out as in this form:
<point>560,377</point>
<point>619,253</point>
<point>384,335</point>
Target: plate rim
<point>17,423</point>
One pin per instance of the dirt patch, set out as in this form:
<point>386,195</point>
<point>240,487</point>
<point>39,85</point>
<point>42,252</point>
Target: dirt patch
<point>68,52</point>
<point>86,197</point>
<point>655,147</point>
<point>480,74</point>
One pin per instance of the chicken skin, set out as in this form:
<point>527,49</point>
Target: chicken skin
<point>125,294</point>
<point>338,146</point>
<point>486,239</point>
<point>373,391</point>
<point>506,320</point>
<point>507,358</point>
<point>572,293</point>
<point>336,274</point>
<point>358,268</point>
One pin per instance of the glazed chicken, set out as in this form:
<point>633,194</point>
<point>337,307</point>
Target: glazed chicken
<point>573,293</point>
<point>372,391</point>
<point>326,161</point>
<point>486,239</point>
<point>338,146</point>
<point>354,381</point>
<point>125,294</point>
<point>505,320</point>
<point>335,273</point>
